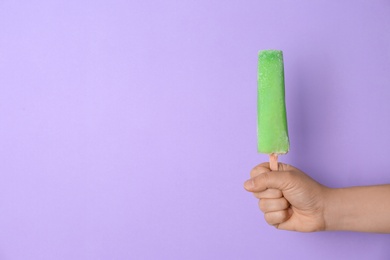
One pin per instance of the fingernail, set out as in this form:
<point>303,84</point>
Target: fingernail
<point>249,184</point>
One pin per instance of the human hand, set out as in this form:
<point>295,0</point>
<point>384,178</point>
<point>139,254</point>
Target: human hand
<point>289,198</point>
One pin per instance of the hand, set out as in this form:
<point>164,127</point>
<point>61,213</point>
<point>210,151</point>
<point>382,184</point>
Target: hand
<point>289,198</point>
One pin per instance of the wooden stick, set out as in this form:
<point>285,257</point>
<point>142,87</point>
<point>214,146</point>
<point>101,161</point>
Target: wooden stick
<point>273,161</point>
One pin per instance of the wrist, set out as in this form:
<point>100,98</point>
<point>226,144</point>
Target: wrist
<point>333,209</point>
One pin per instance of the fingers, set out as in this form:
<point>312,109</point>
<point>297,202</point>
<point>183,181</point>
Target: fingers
<point>271,187</point>
<point>272,205</point>
<point>269,194</point>
<point>277,217</point>
<point>276,211</point>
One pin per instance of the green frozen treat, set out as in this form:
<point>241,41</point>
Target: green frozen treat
<point>272,133</point>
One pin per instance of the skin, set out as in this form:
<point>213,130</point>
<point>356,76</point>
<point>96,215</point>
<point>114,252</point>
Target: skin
<point>291,200</point>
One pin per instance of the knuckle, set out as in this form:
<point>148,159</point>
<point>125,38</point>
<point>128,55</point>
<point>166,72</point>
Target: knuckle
<point>265,178</point>
<point>253,172</point>
<point>283,216</point>
<point>258,182</point>
<point>276,218</point>
<point>258,169</point>
<point>256,195</point>
<point>273,205</point>
<point>269,218</point>
<point>262,205</point>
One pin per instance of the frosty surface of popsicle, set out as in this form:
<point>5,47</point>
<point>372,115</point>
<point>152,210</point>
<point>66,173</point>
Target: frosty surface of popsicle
<point>272,133</point>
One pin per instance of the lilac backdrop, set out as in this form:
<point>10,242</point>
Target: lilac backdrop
<point>129,127</point>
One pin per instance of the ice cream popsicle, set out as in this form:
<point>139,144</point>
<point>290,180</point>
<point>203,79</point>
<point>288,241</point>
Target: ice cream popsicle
<point>272,132</point>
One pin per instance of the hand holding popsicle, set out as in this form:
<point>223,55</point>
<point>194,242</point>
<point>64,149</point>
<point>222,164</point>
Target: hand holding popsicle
<point>291,200</point>
<point>286,207</point>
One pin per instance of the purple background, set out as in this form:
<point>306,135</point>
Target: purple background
<point>129,127</point>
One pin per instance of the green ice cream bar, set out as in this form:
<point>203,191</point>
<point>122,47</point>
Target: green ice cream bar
<point>272,133</point>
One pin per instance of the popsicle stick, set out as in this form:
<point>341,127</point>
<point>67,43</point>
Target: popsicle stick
<point>273,161</point>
